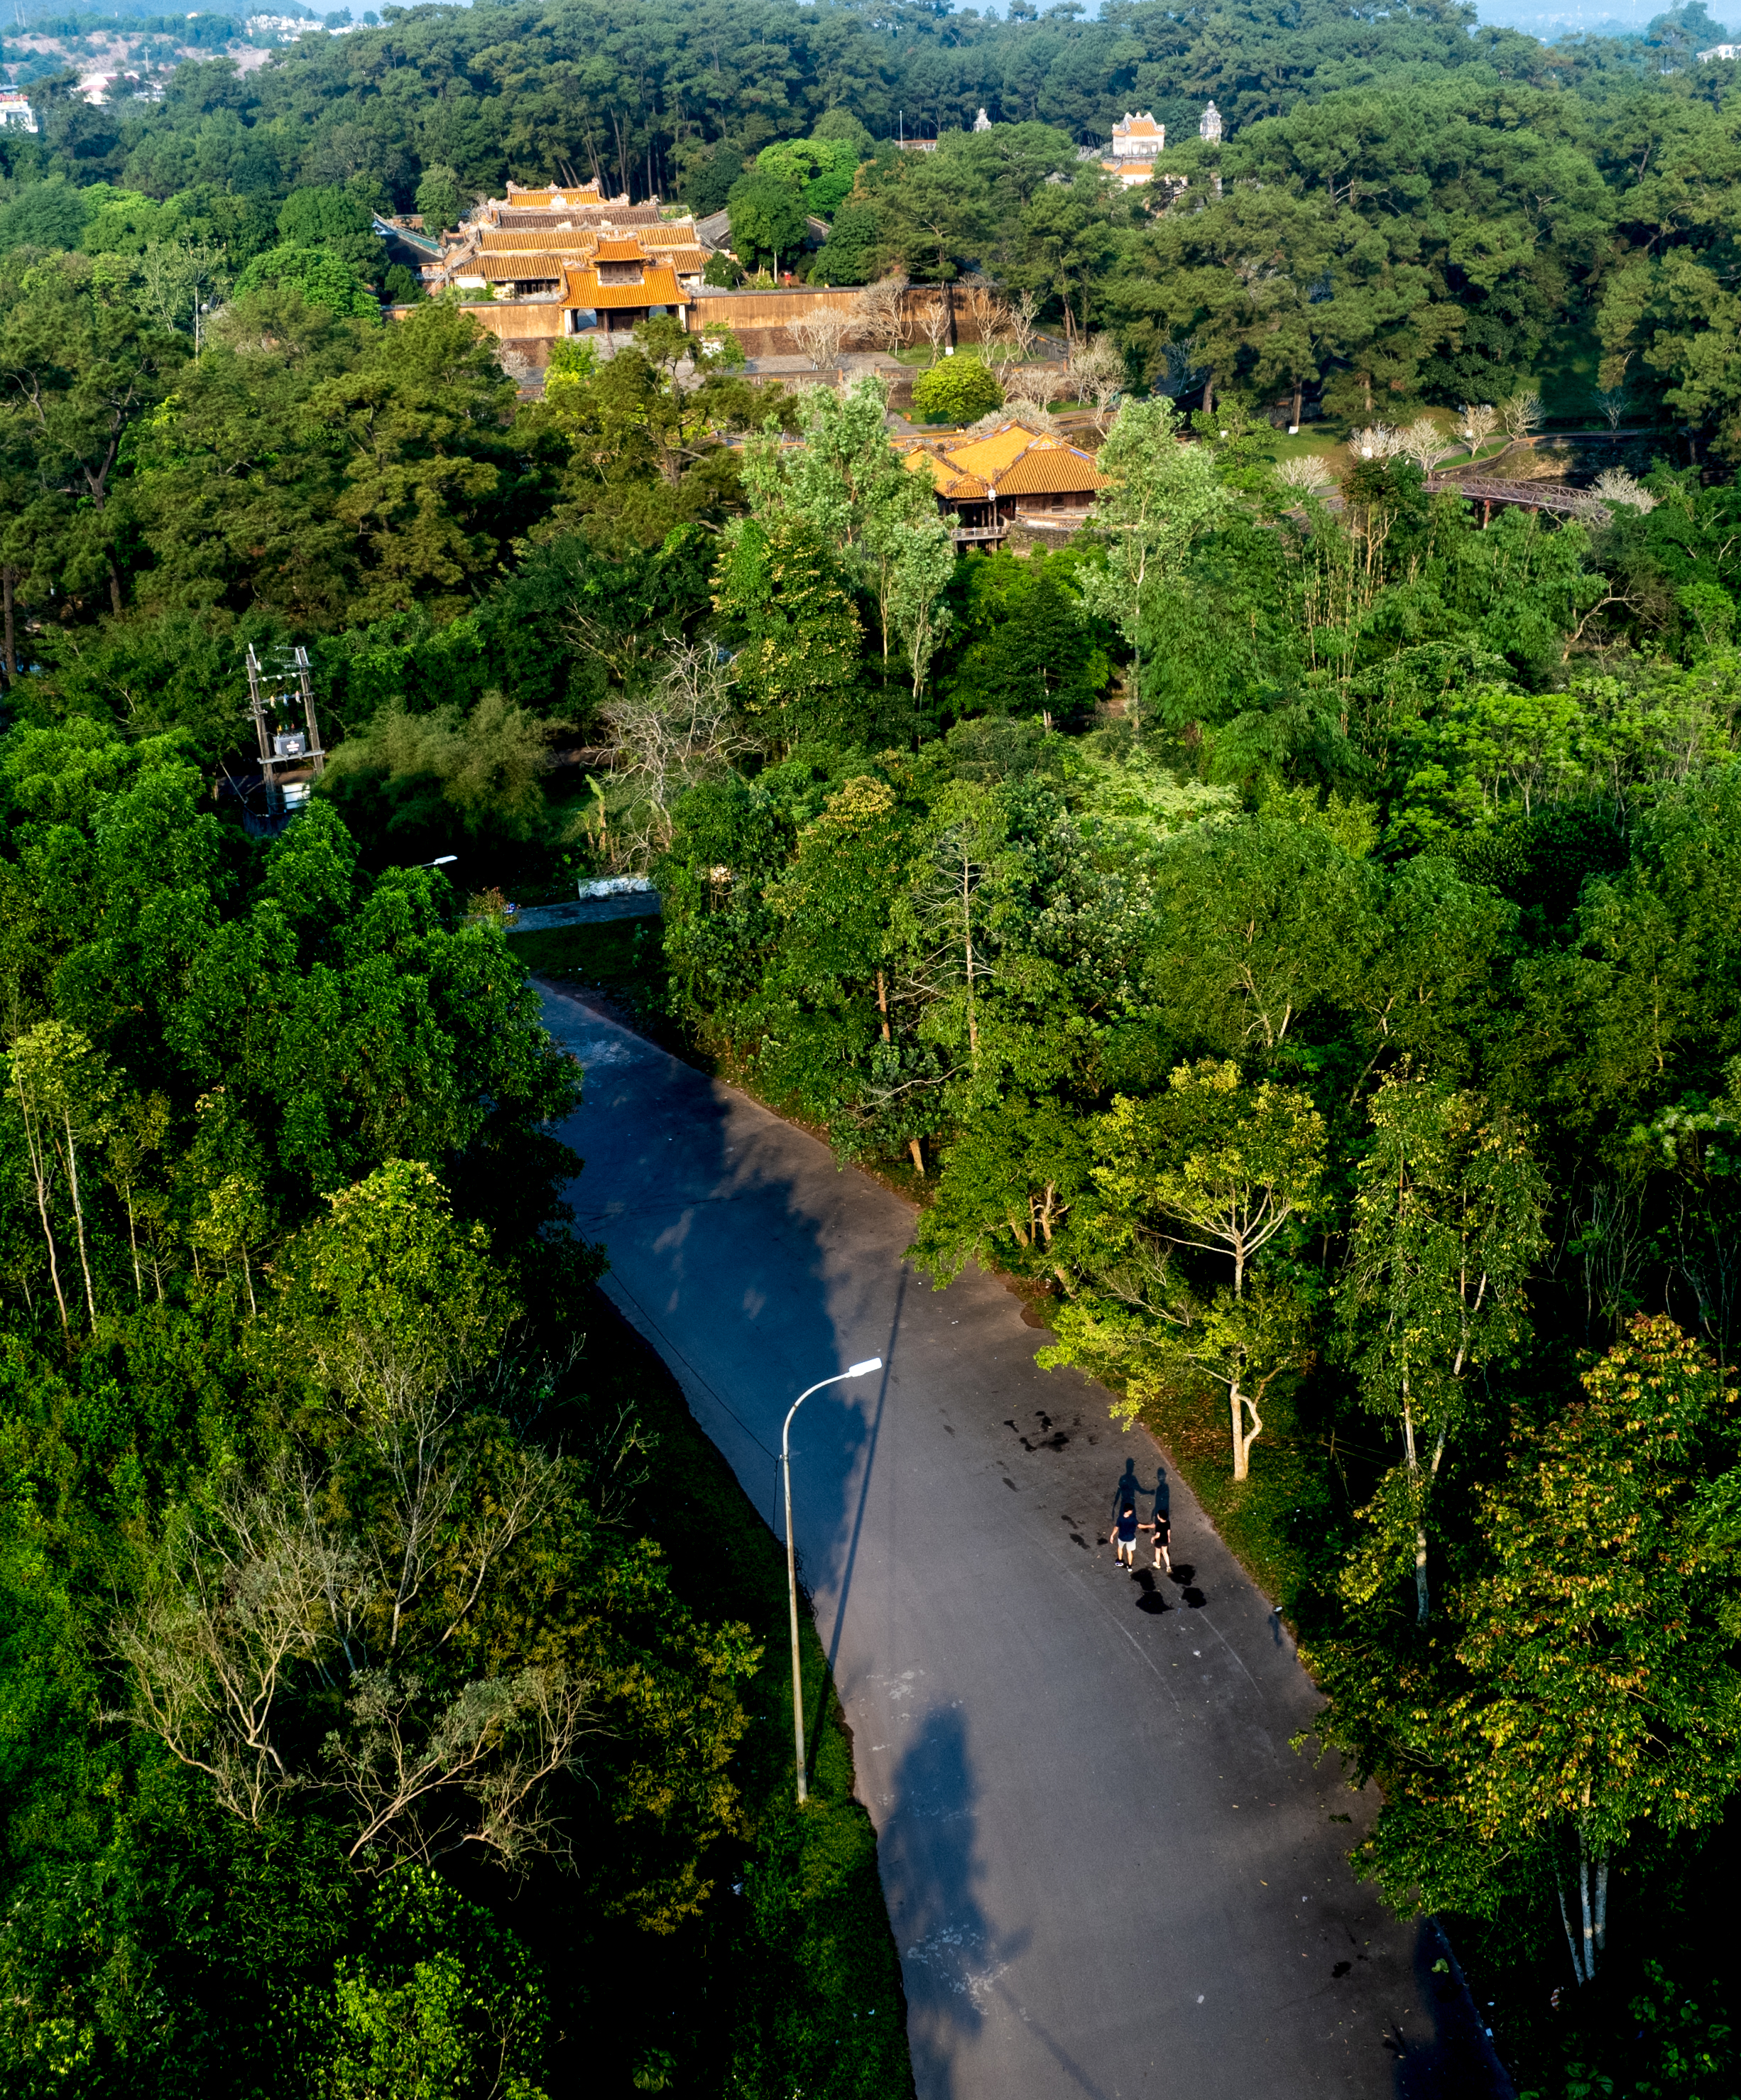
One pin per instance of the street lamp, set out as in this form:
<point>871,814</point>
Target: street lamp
<point>441,860</point>
<point>855,1370</point>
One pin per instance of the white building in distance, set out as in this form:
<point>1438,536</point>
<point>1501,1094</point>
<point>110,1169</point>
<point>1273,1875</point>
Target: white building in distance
<point>1137,142</point>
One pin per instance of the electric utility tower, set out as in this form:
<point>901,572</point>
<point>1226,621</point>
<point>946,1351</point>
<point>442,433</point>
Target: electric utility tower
<point>281,702</point>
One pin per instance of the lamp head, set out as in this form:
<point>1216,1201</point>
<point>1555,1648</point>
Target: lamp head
<point>861,1370</point>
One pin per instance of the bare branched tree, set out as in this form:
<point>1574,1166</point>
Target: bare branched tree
<point>1613,402</point>
<point>1521,413</point>
<point>1479,420</point>
<point>233,1608</point>
<point>423,1777</point>
<point>365,1579</point>
<point>821,335</point>
<point>984,312</point>
<point>1023,311</point>
<point>1614,484</point>
<point>1377,442</point>
<point>669,735</point>
<point>1308,473</point>
<point>880,312</point>
<point>1097,374</point>
<point>1024,409</point>
<point>1425,444</point>
<point>933,323</point>
<point>1003,360</point>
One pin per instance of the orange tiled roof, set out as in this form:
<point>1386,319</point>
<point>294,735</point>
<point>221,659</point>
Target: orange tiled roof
<point>523,266</point>
<point>504,240</point>
<point>659,287</point>
<point>543,199</point>
<point>990,455</point>
<point>571,215</point>
<point>950,483</point>
<point>1013,460</point>
<point>674,233</point>
<point>1049,470</point>
<point>624,248</point>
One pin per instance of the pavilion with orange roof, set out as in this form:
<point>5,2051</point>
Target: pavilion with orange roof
<point>1012,473</point>
<point>618,284</point>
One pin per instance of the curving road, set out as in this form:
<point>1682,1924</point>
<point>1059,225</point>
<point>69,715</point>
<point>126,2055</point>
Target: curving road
<point>1107,1873</point>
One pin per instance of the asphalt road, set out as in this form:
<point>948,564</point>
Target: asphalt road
<point>1107,1873</point>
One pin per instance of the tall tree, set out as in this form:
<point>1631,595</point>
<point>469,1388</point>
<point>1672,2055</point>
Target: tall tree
<point>81,371</point>
<point>1589,1690</point>
<point>1164,496</point>
<point>1215,1167</point>
<point>1448,1220</point>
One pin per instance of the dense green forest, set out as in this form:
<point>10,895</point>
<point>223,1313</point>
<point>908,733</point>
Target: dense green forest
<point>1290,926</point>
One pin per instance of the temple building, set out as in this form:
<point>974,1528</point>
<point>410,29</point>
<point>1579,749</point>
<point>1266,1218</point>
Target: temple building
<point>1013,476</point>
<point>1138,143</point>
<point>522,246</point>
<point>620,282</point>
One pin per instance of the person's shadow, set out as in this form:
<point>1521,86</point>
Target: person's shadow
<point>1129,1488</point>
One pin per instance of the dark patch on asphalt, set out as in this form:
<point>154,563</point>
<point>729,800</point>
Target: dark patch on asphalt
<point>1009,1483</point>
<point>1050,1439</point>
<point>1341,1968</point>
<point>1149,1599</point>
<point>1079,1540</point>
<point>1195,1600</point>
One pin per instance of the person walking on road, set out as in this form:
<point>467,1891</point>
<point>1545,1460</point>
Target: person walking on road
<point>1163,1532</point>
<point>1125,1529</point>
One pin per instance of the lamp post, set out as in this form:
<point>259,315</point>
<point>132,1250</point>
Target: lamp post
<point>855,1370</point>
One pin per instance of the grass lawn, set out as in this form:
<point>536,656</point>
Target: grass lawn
<point>623,958</point>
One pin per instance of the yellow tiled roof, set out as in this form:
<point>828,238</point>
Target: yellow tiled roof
<point>523,266</point>
<point>990,454</point>
<point>949,482</point>
<point>544,200</point>
<point>1049,470</point>
<point>659,287</point>
<point>504,240</point>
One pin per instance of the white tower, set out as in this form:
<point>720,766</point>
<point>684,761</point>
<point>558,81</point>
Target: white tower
<point>1210,126</point>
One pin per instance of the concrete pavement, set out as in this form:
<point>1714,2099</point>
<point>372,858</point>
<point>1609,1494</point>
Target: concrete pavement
<point>1107,1874</point>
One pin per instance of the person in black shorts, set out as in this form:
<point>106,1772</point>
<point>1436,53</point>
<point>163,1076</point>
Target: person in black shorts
<point>1163,1532</point>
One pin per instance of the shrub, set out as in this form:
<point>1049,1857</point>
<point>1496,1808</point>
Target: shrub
<point>956,391</point>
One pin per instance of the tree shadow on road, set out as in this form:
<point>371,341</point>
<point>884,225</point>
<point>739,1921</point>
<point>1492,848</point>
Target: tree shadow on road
<point>951,1956</point>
